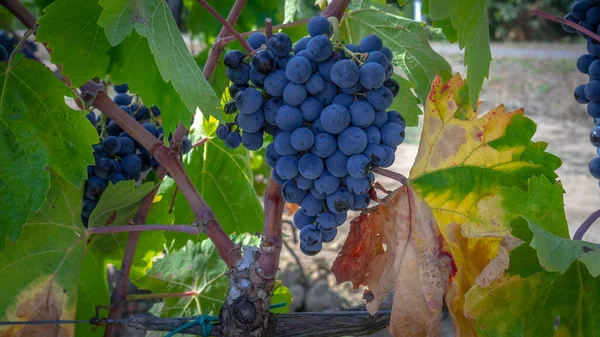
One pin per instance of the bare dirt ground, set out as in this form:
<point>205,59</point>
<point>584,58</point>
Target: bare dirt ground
<point>538,77</point>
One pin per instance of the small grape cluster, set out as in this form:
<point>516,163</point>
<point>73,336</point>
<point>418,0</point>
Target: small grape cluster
<point>118,156</point>
<point>325,106</point>
<point>9,41</point>
<point>587,14</point>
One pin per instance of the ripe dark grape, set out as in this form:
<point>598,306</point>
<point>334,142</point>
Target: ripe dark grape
<point>276,82</point>
<point>263,61</point>
<point>319,48</point>
<point>132,164</point>
<point>335,118</point>
<point>372,75</point>
<point>257,78</point>
<point>370,43</point>
<point>288,118</point>
<point>311,206</point>
<point>94,187</point>
<point>230,107</point>
<point>271,155</point>
<point>584,62</point>
<point>311,250</point>
<point>301,219</point>
<point>345,73</point>
<point>257,39</point>
<point>301,45</point>
<point>287,167</point>
<point>251,122</point>
<point>280,44</point>
<point>248,100</point>
<point>310,166</point>
<point>392,134</point>
<point>121,88</point>
<point>592,91</point>
<point>319,26</point>
<point>122,99</point>
<point>127,146</point>
<point>315,84</point>
<point>222,131</point>
<point>291,192</point>
<point>302,139</point>
<point>324,69</point>
<point>233,59</point>
<point>340,201</point>
<point>325,222</point>
<point>362,114</point>
<point>327,183</point>
<point>392,86</point>
<point>294,94</point>
<point>298,69</point>
<point>594,167</point>
<point>240,75</point>
<point>352,141</point>
<point>88,207</point>
<point>358,165</point>
<point>336,164</point>
<point>252,141</point>
<point>233,139</point>
<point>105,168</point>
<point>325,145</point>
<point>595,136</point>
<point>283,144</point>
<point>381,98</point>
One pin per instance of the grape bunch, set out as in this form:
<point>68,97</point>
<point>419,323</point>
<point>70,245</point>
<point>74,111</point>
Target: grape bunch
<point>325,105</point>
<point>9,41</point>
<point>118,156</point>
<point>587,14</point>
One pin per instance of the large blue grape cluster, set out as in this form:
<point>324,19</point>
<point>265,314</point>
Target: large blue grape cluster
<point>9,41</point>
<point>587,14</point>
<point>325,105</point>
<point>118,156</point>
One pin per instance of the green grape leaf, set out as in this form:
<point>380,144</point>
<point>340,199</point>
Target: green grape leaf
<point>48,263</point>
<point>196,273</point>
<point>38,133</point>
<point>470,21</point>
<point>76,40</point>
<point>477,173</point>
<point>152,19</point>
<point>408,41</point>
<point>557,254</point>
<point>119,203</point>
<point>406,103</point>
<point>290,9</point>
<point>534,299</point>
<point>225,181</point>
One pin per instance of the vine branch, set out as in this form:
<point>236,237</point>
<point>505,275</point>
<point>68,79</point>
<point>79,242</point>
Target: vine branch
<point>569,23</point>
<point>391,174</point>
<point>224,40</point>
<point>20,12</point>
<point>586,225</point>
<point>268,261</point>
<point>227,25</point>
<point>143,228</point>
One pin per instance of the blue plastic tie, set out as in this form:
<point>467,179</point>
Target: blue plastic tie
<point>204,320</point>
<point>278,305</point>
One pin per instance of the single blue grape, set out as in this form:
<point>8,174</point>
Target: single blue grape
<point>298,69</point>
<point>315,193</point>
<point>310,166</point>
<point>302,220</point>
<point>373,135</point>
<point>376,153</point>
<point>328,94</point>
<point>233,140</point>
<point>593,109</point>
<point>396,117</point>
<point>361,201</point>
<point>94,187</point>
<point>288,118</point>
<point>280,44</point>
<point>392,134</point>
<point>233,59</point>
<point>271,155</point>
<point>325,222</point>
<point>388,53</point>
<point>340,218</point>
<point>131,164</point>
<point>310,235</point>
<point>256,40</point>
<point>154,111</point>
<point>142,113</point>
<point>263,61</point>
<point>595,136</point>
<point>325,145</point>
<point>328,236</point>
<point>252,141</point>
<point>287,167</point>
<point>150,127</point>
<point>381,118</point>
<point>302,139</point>
<point>593,48</point>
<point>319,48</point>
<point>389,158</point>
<point>117,177</point>
<point>579,9</point>
<point>593,15</point>
<point>592,91</point>
<point>121,88</point>
<point>222,131</point>
<point>344,100</point>
<point>294,94</point>
<point>594,167</point>
<point>345,73</point>
<point>358,185</point>
<point>92,118</point>
<point>336,164</point>
<point>370,43</point>
<point>304,183</point>
<point>311,109</point>
<point>335,118</point>
<point>270,109</point>
<point>240,75</point>
<point>358,166</point>
<point>291,192</point>
<point>257,78</point>
<point>311,250</point>
<point>301,45</point>
<point>283,144</point>
<point>122,99</point>
<point>111,145</point>
<point>327,183</point>
<point>313,64</point>
<point>381,98</point>
<point>352,141</point>
<point>311,206</point>
<point>340,201</point>
<point>594,70</point>
<point>583,63</point>
<point>319,25</point>
<point>252,122</point>
<point>105,168</point>
<point>362,114</point>
<point>88,207</point>
<point>127,110</point>
<point>572,18</point>
<point>380,58</point>
<point>324,69</point>
<point>580,95</point>
<point>372,75</point>
<point>127,146</point>
<point>276,82</point>
<point>248,100</point>
<point>393,86</point>
<point>315,84</point>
